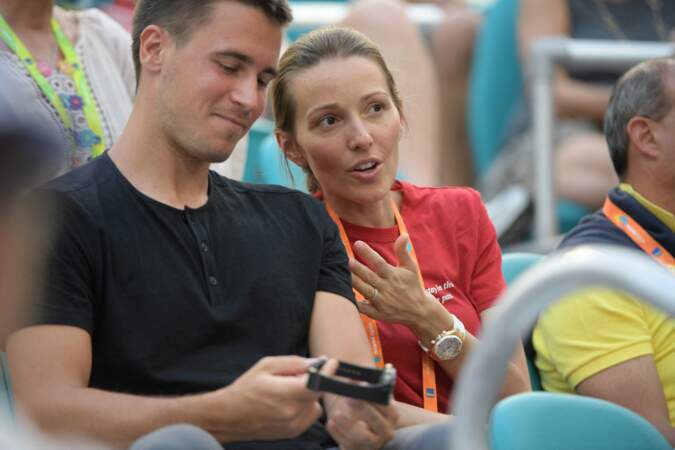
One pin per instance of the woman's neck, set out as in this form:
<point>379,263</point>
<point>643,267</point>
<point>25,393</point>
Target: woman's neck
<point>378,214</point>
<point>28,15</point>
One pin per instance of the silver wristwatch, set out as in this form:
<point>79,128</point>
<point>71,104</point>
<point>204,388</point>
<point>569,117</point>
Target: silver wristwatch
<point>448,344</point>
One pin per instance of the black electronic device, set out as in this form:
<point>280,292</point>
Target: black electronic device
<point>363,383</point>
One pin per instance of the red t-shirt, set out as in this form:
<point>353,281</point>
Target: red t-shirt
<point>460,260</point>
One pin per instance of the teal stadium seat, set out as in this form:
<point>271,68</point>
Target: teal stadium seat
<point>495,87</point>
<point>265,163</point>
<point>294,31</point>
<point>6,397</point>
<point>513,265</point>
<point>543,420</point>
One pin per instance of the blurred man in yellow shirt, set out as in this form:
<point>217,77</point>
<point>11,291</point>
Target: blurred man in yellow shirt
<point>604,343</point>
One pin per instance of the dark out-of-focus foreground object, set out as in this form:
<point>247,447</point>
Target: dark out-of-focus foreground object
<point>29,153</point>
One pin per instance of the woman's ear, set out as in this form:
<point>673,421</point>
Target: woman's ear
<point>402,119</point>
<point>290,148</point>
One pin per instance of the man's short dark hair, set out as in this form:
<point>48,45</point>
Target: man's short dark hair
<point>642,91</point>
<point>181,17</point>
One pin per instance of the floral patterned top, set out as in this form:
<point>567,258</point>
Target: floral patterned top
<point>83,138</point>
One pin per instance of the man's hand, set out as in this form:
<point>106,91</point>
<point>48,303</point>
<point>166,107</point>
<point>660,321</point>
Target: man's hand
<point>359,425</point>
<point>269,401</point>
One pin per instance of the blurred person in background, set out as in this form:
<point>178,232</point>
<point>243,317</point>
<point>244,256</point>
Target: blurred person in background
<point>604,343</point>
<point>74,69</point>
<point>583,171</point>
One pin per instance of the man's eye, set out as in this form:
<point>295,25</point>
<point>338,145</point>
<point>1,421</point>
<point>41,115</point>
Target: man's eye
<point>264,81</point>
<point>228,69</point>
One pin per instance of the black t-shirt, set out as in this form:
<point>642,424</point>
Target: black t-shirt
<point>185,301</point>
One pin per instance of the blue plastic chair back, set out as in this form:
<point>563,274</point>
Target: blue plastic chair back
<point>495,83</point>
<point>265,164</point>
<point>513,265</point>
<point>6,396</point>
<point>495,87</point>
<point>543,420</point>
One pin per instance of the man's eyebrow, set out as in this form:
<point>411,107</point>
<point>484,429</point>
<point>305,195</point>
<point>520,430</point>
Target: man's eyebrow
<point>246,60</point>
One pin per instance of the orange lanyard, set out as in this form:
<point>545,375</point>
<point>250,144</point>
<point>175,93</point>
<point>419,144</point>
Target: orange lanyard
<point>638,234</point>
<point>428,370</point>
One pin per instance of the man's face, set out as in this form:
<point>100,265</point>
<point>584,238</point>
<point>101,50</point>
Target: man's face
<point>664,131</point>
<point>213,86</point>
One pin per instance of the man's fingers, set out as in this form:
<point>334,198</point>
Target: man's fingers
<point>351,434</point>
<point>329,368</point>
<point>284,365</point>
<point>375,416</point>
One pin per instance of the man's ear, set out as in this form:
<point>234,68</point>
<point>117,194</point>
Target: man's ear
<point>640,131</point>
<point>290,148</point>
<point>152,48</point>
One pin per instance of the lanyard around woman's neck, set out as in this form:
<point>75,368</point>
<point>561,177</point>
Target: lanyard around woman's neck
<point>89,109</point>
<point>429,393</point>
<point>639,235</point>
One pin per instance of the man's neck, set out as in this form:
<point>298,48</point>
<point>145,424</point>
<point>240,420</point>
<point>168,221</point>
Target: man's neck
<point>649,188</point>
<point>155,167</point>
<point>28,15</point>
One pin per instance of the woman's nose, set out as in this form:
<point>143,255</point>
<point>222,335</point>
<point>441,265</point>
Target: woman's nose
<point>360,138</point>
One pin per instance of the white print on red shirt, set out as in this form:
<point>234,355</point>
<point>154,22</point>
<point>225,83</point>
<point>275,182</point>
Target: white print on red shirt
<point>438,291</point>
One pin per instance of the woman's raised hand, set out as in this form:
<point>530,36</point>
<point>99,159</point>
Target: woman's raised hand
<point>393,293</point>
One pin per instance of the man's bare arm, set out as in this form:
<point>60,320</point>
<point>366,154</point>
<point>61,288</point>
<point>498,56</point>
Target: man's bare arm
<point>633,384</point>
<point>51,365</point>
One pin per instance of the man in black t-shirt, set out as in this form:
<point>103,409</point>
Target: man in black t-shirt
<point>172,293</point>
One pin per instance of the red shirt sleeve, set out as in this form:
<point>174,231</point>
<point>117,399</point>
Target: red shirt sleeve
<point>487,281</point>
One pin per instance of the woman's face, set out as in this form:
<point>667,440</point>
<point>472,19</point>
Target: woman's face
<point>347,129</point>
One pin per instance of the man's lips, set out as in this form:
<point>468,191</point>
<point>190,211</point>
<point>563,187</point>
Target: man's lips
<point>231,119</point>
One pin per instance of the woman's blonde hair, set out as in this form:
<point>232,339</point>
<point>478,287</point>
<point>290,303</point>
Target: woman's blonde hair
<point>309,51</point>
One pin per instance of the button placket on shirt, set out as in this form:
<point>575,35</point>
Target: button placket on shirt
<point>208,264</point>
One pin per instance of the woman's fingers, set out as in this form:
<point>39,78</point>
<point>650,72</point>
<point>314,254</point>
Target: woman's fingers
<point>368,291</point>
<point>364,273</point>
<point>372,259</point>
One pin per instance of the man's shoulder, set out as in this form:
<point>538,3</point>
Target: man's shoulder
<point>595,229</point>
<point>82,188</point>
<point>269,194</point>
<point>85,177</point>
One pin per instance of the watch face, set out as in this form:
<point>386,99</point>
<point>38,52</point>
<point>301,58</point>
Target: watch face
<point>448,347</point>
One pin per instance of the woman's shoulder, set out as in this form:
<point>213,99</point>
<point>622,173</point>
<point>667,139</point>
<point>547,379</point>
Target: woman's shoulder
<point>450,196</point>
<point>98,21</point>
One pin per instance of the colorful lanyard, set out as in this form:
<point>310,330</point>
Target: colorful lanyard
<point>81,84</point>
<point>638,234</point>
<point>428,369</point>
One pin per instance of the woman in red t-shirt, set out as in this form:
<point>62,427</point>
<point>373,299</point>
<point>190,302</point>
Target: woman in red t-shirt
<point>425,261</point>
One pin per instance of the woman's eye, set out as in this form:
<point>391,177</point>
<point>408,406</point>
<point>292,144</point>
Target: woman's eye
<point>376,107</point>
<point>328,121</point>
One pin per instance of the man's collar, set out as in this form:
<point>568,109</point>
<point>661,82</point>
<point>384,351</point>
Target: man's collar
<point>664,216</point>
